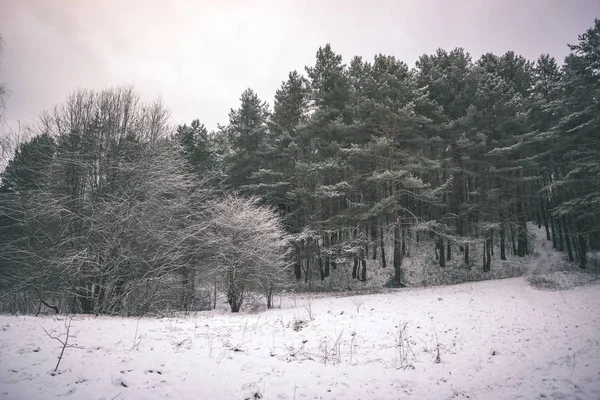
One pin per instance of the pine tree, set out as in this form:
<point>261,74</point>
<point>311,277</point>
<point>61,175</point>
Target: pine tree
<point>246,133</point>
<point>27,169</point>
<point>449,80</point>
<point>578,167</point>
<point>196,147</point>
<point>544,116</point>
<point>396,125</point>
<point>276,181</point>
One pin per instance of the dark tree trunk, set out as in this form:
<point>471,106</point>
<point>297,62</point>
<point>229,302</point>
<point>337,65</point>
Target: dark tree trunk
<point>483,260</point>
<point>502,242</point>
<point>397,257</point>
<point>298,271</point>
<point>320,260</point>
<point>553,231</point>
<point>355,268</point>
<point>575,244</point>
<point>381,245</point>
<point>512,238</point>
<point>189,288</point>
<point>215,296</point>
<point>374,237</point>
<point>269,295</point>
<point>440,247</point>
<point>367,230</point>
<point>235,293</point>
<point>449,252</point>
<point>321,269</point>
<point>398,253</point>
<point>522,237</point>
<point>545,217</point>
<point>326,243</point>
<point>409,236</point>
<point>307,272</point>
<point>488,254</point>
<point>364,270</point>
<point>561,246</point>
<point>582,252</point>
<point>567,241</point>
<point>118,295</point>
<point>467,253</point>
<point>333,240</point>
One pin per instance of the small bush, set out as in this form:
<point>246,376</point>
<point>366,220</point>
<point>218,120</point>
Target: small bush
<point>561,280</point>
<point>543,282</point>
<point>404,356</point>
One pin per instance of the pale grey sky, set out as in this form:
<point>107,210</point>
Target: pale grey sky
<point>200,55</point>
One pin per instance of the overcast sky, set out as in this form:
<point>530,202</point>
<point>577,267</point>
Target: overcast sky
<point>200,55</point>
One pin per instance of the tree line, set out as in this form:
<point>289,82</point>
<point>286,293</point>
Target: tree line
<point>100,213</point>
<point>106,202</point>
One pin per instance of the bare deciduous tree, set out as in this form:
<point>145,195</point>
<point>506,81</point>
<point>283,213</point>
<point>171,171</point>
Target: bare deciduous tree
<point>114,221</point>
<point>63,338</point>
<point>248,244</point>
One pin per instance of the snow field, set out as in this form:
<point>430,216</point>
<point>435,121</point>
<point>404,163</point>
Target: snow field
<point>500,339</point>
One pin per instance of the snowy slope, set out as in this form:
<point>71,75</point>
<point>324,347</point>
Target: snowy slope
<point>503,339</point>
<point>550,269</point>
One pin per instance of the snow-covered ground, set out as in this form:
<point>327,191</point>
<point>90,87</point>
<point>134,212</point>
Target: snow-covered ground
<point>550,269</point>
<point>502,339</point>
<point>497,340</point>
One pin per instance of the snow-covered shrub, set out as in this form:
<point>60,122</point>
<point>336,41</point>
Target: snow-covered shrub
<point>560,280</point>
<point>248,245</point>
